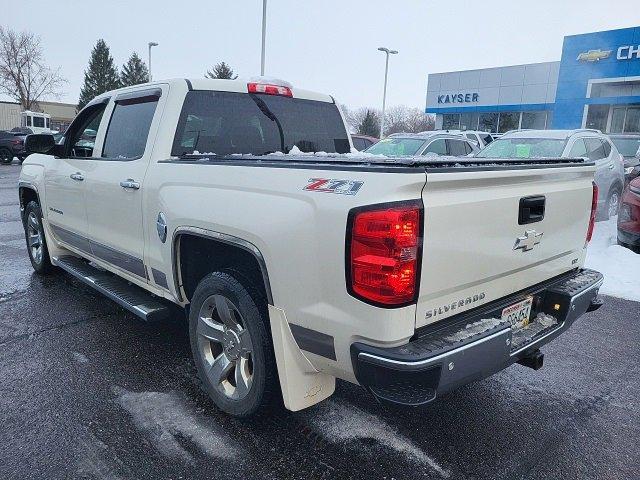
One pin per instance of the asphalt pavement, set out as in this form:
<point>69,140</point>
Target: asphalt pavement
<point>89,391</point>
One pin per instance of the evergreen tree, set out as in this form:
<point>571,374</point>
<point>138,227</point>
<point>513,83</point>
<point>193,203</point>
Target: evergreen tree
<point>134,71</point>
<point>101,75</point>
<point>370,125</point>
<point>221,70</point>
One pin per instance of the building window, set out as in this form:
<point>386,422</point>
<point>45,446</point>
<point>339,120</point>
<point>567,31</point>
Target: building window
<point>597,117</point>
<point>632,120</point>
<point>534,120</point>
<point>617,120</point>
<point>488,122</point>
<point>451,121</point>
<point>508,121</point>
<point>469,121</point>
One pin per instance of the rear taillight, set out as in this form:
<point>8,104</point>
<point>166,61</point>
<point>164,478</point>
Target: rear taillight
<point>17,141</point>
<point>594,207</point>
<point>384,245</point>
<point>269,89</point>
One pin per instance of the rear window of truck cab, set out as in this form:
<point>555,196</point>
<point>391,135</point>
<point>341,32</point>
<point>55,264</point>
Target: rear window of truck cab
<point>226,123</point>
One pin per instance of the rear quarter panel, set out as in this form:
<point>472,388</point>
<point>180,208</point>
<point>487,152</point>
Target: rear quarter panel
<point>300,234</point>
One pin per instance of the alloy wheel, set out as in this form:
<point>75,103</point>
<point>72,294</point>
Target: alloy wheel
<point>614,204</point>
<point>34,238</point>
<point>225,347</point>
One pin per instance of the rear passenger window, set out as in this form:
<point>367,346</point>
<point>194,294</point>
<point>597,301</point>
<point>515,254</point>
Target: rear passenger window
<point>129,127</point>
<point>607,148</point>
<point>595,149</point>
<point>437,147</point>
<point>578,150</point>
<point>457,148</point>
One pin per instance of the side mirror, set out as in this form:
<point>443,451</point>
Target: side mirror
<point>39,143</point>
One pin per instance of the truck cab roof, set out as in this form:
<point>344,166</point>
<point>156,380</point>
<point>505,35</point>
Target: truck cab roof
<point>239,85</point>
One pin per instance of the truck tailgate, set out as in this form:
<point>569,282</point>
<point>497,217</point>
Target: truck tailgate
<point>470,247</point>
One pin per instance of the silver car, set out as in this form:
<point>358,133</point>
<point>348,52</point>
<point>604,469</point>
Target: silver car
<point>585,143</point>
<point>425,143</point>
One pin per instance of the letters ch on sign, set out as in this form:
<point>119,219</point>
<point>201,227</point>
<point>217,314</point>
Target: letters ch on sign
<point>458,98</point>
<point>627,52</point>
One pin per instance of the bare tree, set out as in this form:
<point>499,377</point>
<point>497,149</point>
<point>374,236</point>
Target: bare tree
<point>23,74</point>
<point>399,118</point>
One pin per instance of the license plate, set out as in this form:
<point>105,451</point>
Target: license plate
<point>518,313</point>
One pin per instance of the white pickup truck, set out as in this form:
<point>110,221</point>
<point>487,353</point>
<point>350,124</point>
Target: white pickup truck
<point>409,276</point>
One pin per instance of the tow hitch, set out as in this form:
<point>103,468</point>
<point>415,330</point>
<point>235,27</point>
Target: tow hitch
<point>533,360</point>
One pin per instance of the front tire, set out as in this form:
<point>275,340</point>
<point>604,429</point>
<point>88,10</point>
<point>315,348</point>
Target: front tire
<point>36,240</point>
<point>6,156</point>
<point>231,344</point>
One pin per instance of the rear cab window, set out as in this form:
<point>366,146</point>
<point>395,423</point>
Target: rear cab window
<point>227,123</point>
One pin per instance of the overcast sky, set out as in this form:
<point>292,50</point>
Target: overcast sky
<point>328,45</point>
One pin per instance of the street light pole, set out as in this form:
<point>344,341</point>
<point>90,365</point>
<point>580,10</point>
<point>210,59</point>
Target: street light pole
<point>384,93</point>
<point>151,44</point>
<point>264,34</point>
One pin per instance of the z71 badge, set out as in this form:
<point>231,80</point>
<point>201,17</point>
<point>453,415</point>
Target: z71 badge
<point>331,185</point>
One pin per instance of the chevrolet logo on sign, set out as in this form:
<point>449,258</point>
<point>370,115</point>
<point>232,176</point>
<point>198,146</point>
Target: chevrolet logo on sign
<point>594,55</point>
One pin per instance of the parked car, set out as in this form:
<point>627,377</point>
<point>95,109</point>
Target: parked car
<point>629,217</point>
<point>583,143</point>
<point>11,145</point>
<point>362,142</point>
<point>482,139</point>
<point>407,276</point>
<point>629,147</point>
<point>425,143</point>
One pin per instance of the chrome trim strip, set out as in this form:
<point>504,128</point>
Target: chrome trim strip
<point>381,360</point>
<point>221,237</point>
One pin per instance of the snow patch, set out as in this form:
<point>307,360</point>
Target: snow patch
<point>168,420</point>
<point>474,328</point>
<point>339,421</point>
<point>619,265</point>
<point>80,358</point>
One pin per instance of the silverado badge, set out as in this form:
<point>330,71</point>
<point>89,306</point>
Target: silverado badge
<point>530,239</point>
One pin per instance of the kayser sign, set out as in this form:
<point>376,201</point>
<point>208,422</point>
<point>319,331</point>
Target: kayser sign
<point>458,98</point>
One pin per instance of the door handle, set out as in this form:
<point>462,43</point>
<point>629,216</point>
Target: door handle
<point>77,176</point>
<point>130,183</point>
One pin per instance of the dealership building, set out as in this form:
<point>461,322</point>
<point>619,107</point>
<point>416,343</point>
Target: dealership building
<point>596,84</point>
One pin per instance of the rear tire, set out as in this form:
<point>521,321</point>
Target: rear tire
<point>6,156</point>
<point>231,344</point>
<point>613,202</point>
<point>36,240</point>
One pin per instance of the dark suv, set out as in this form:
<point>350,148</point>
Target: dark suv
<point>11,145</point>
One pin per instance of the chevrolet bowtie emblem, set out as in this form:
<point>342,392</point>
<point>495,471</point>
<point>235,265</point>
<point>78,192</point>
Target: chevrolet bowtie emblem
<point>530,239</point>
<point>594,55</point>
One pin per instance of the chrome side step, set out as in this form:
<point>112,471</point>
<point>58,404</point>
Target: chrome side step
<point>125,294</point>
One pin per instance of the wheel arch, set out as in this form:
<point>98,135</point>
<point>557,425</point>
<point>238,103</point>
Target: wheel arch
<point>27,192</point>
<point>229,252</point>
